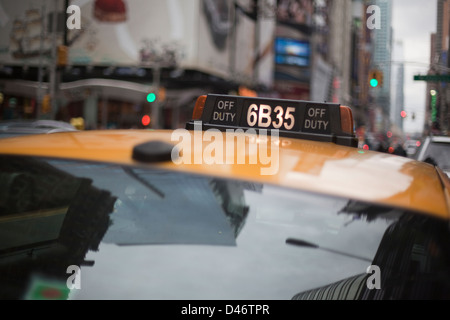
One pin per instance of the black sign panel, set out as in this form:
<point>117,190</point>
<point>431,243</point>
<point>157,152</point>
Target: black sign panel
<point>224,112</point>
<point>293,118</point>
<point>317,119</point>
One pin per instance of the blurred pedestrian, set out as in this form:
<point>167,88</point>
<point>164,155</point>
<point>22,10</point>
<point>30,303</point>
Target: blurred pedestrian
<point>382,147</point>
<point>400,151</point>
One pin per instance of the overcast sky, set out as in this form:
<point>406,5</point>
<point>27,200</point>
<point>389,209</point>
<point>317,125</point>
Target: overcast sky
<point>413,22</point>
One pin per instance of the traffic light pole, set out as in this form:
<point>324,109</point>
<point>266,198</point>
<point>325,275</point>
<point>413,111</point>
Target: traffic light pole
<point>155,118</point>
<point>40,95</point>
<point>54,73</point>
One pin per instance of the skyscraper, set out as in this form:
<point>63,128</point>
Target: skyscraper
<point>439,111</point>
<point>397,77</point>
<point>381,59</point>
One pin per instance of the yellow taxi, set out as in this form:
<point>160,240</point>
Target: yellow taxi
<point>256,199</point>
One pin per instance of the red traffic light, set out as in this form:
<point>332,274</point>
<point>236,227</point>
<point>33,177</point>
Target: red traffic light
<point>145,120</point>
<point>403,114</point>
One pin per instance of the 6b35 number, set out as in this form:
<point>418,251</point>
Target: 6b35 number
<point>263,117</point>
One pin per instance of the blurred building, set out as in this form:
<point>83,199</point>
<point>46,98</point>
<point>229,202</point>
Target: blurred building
<point>397,96</point>
<point>340,46</point>
<point>437,112</point>
<point>294,49</point>
<point>432,90</point>
<point>366,113</point>
<point>381,60</point>
<point>360,58</point>
<point>320,32</point>
<point>125,50</point>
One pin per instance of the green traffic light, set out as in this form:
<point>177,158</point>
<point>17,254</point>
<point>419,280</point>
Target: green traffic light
<point>374,82</point>
<point>151,97</point>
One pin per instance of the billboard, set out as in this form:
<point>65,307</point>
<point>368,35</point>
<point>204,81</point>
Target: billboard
<point>297,14</point>
<point>24,38</point>
<point>292,52</point>
<point>134,33</point>
<point>212,36</point>
<point>237,39</point>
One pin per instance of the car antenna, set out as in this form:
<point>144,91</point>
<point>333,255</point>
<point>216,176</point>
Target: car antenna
<point>303,243</point>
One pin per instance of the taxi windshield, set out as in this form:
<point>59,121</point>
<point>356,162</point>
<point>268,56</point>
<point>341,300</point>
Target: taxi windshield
<point>200,237</point>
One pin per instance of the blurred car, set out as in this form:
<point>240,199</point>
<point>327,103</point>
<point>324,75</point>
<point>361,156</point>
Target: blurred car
<point>243,204</point>
<point>11,128</point>
<point>411,147</point>
<point>436,150</point>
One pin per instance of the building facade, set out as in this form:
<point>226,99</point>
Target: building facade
<point>103,71</point>
<point>381,60</point>
<point>438,93</point>
<point>103,67</point>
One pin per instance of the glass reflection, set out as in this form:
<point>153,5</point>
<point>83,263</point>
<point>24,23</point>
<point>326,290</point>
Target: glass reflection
<point>157,234</point>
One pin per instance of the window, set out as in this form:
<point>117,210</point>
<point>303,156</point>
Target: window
<point>147,233</point>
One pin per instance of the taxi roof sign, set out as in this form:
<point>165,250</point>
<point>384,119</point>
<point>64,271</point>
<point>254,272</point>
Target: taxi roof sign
<point>328,122</point>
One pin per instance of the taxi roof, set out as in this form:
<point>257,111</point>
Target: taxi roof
<point>322,167</point>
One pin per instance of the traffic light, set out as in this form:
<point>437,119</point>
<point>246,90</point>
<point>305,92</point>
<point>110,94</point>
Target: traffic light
<point>159,94</point>
<point>403,114</point>
<point>63,55</point>
<point>375,78</point>
<point>145,120</point>
<point>151,97</point>
<point>46,104</point>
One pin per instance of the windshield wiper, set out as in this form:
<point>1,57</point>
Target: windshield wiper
<point>303,243</point>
